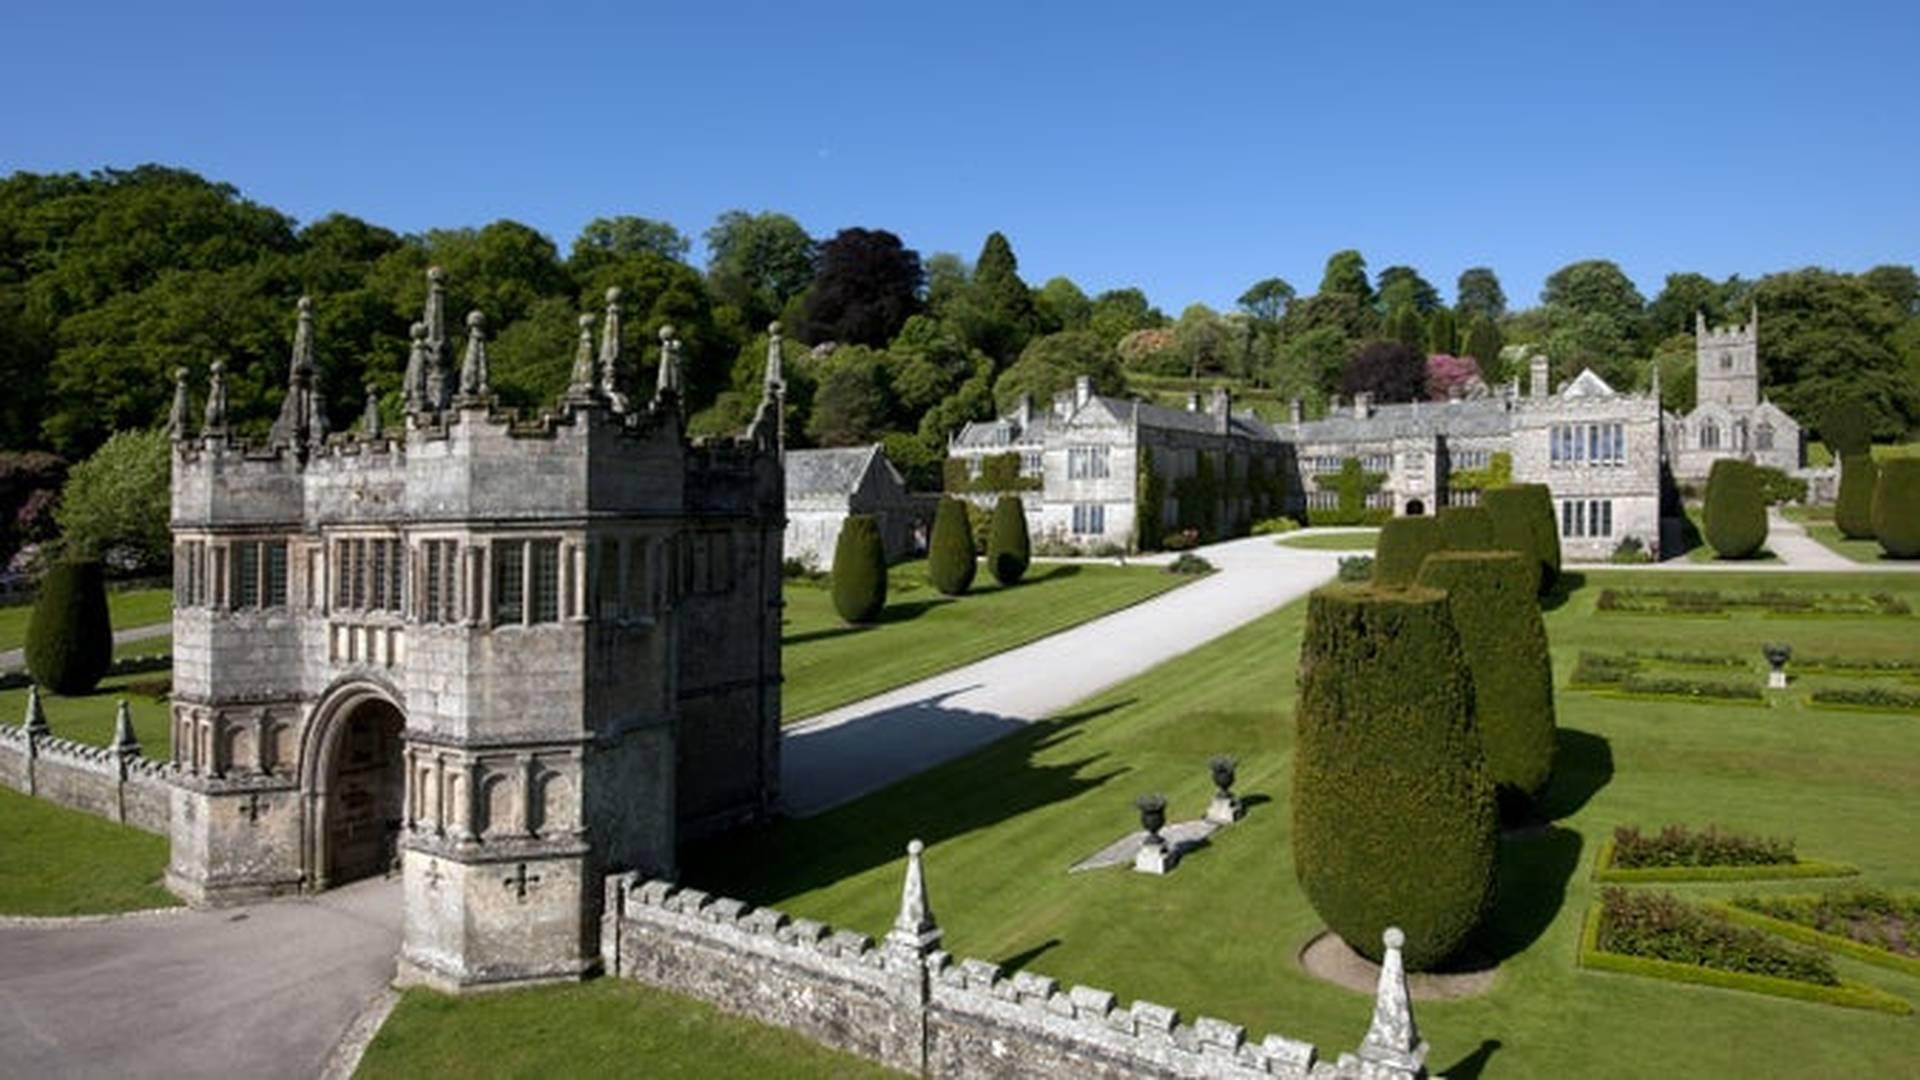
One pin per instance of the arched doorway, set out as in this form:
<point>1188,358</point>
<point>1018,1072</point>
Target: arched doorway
<point>356,789</point>
<point>1415,508</point>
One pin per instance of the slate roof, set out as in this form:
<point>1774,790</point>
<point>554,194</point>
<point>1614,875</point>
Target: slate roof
<point>836,471</point>
<point>1480,416</point>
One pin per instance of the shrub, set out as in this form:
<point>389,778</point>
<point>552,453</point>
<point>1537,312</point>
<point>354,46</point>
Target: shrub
<point>1677,845</point>
<point>1189,563</point>
<point>950,561</point>
<point>117,502</point>
<point>1736,515</point>
<point>799,570</point>
<point>1393,811</point>
<point>1631,549</point>
<point>1009,551</point>
<point>1405,543</point>
<point>1274,525</point>
<point>1491,598</point>
<point>1183,540</point>
<point>1668,686</point>
<point>1777,487</point>
<point>70,636</point>
<point>1522,516</point>
<point>1661,926</point>
<point>1465,528</point>
<point>1896,508</point>
<point>1356,568</point>
<point>1853,506</point>
<point>1868,697</point>
<point>1847,427</point>
<point>859,570</point>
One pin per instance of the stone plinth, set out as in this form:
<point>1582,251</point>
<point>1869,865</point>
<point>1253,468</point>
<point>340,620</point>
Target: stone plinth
<point>1155,859</point>
<point>1225,810</point>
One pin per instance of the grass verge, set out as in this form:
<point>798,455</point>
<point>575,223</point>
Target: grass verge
<point>1340,541</point>
<point>65,862</point>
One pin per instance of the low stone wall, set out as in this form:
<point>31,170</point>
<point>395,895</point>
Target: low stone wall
<point>906,1004</point>
<point>120,787</point>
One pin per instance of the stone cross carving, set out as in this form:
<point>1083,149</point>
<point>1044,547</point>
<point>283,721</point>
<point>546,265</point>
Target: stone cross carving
<point>433,875</point>
<point>581,386</point>
<point>521,881</point>
<point>914,930</point>
<point>177,418</point>
<point>473,370</point>
<point>254,808</point>
<point>1393,1041</point>
<point>125,742</point>
<point>35,722</point>
<point>215,421</point>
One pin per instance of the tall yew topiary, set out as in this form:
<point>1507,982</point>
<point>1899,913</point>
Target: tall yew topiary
<point>70,636</point>
<point>1466,528</point>
<point>859,570</point>
<point>1853,506</point>
<point>950,561</point>
<point>1009,550</point>
<point>1522,516</point>
<point>1896,508</point>
<point>1736,511</point>
<point>1405,543</point>
<point>1490,596</point>
<point>1393,811</point>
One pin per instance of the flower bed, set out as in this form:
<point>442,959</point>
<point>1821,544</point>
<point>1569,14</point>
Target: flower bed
<point>1878,927</point>
<point>1603,670</point>
<point>1690,689</point>
<point>1769,601</point>
<point>1878,698</point>
<point>1677,853</point>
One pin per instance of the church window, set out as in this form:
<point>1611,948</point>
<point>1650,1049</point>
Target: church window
<point>1763,437</point>
<point>1709,435</point>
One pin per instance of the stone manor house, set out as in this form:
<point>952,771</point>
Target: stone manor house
<point>507,654</point>
<point>1599,450</point>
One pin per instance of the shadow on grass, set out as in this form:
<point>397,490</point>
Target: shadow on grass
<point>1569,582</point>
<point>892,613</point>
<point>997,781</point>
<point>1582,765</point>
<point>1471,1066</point>
<point>1027,956</point>
<point>1535,867</point>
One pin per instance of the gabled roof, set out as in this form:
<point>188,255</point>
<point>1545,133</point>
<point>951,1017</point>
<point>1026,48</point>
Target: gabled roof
<point>836,471</point>
<point>1587,384</point>
<point>1477,416</point>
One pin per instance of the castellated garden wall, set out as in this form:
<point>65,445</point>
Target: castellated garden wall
<point>920,1009</point>
<point>120,787</point>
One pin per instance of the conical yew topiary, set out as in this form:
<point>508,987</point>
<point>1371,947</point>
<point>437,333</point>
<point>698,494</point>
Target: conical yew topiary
<point>1522,516</point>
<point>1853,506</point>
<point>1896,508</point>
<point>1466,528</point>
<point>1491,599</point>
<point>859,570</point>
<point>1393,811</point>
<point>1405,543</point>
<point>1009,550</point>
<point>950,561</point>
<point>70,637</point>
<point>1736,510</point>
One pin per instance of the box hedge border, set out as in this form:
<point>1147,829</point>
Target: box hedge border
<point>1849,994</point>
<point>1605,871</point>
<point>1807,935</point>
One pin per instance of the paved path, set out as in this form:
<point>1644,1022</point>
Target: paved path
<point>15,659</point>
<point>265,990</point>
<point>1789,540</point>
<point>844,754</point>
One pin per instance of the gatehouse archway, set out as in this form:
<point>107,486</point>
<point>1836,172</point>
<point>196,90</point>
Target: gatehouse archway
<point>355,784</point>
<point>1415,508</point>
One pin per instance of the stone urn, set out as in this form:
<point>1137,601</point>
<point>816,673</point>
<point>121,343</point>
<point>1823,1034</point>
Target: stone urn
<point>1153,817</point>
<point>1777,655</point>
<point>1226,808</point>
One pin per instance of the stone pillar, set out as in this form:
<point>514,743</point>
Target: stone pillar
<point>1393,1048</point>
<point>1538,372</point>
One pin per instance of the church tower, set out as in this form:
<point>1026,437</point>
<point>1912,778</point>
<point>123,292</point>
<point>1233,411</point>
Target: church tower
<point>1726,363</point>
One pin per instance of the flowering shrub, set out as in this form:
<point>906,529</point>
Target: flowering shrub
<point>1677,845</point>
<point>1450,376</point>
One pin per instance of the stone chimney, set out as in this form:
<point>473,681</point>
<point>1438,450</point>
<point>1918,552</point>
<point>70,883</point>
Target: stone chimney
<point>1220,407</point>
<point>1538,369</point>
<point>1193,401</point>
<point>1082,390</point>
<point>1296,412</point>
<point>1362,405</point>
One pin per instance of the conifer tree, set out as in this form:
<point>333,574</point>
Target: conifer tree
<point>950,561</point>
<point>1009,551</point>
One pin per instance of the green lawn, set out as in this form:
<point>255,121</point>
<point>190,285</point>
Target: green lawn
<point>1219,936</point>
<point>828,663</point>
<point>604,1028</point>
<point>134,607</point>
<point>1818,454</point>
<point>89,718</point>
<point>1820,526</point>
<point>1343,541</point>
<point>64,862</point>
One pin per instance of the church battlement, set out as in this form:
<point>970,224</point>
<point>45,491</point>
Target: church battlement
<point>1735,335</point>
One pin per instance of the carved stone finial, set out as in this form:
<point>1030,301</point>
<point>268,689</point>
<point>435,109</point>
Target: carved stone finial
<point>775,375</point>
<point>35,722</point>
<point>370,424</point>
<point>317,425</point>
<point>435,318</point>
<point>914,929</point>
<point>302,341</point>
<point>1393,1041</point>
<point>610,352</point>
<point>473,370</point>
<point>215,421</point>
<point>125,742</point>
<point>668,384</point>
<point>581,386</point>
<point>418,398</point>
<point>177,417</point>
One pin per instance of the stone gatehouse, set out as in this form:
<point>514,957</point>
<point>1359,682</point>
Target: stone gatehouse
<point>505,654</point>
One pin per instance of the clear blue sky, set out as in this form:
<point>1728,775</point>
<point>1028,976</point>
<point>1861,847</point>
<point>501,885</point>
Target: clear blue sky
<point>1189,149</point>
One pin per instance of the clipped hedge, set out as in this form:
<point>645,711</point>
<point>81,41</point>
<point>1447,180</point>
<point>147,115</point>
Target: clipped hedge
<point>70,634</point>
<point>1009,549</point>
<point>1853,506</point>
<point>1896,508</point>
<point>1490,596</point>
<point>1466,528</point>
<point>950,560</point>
<point>1522,516</point>
<point>1393,811</point>
<point>859,570</point>
<point>1736,513</point>
<point>1404,544</point>
<point>1878,698</point>
<point>1865,924</point>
